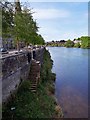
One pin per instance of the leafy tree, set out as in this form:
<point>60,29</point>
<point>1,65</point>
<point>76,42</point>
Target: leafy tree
<point>78,39</point>
<point>69,43</point>
<point>39,40</point>
<point>25,28</point>
<point>20,24</point>
<point>85,42</point>
<point>77,45</point>
<point>7,18</point>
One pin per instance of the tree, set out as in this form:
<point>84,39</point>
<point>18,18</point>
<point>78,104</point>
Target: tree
<point>85,42</point>
<point>6,21</point>
<point>40,40</point>
<point>20,25</point>
<point>78,39</point>
<point>7,18</point>
<point>69,43</point>
<point>77,45</point>
<point>25,28</point>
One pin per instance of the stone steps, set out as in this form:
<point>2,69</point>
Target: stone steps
<point>34,75</point>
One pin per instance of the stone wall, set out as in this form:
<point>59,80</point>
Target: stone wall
<point>39,54</point>
<point>16,68</point>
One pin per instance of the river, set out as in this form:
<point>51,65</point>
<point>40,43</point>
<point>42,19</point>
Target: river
<point>71,85</point>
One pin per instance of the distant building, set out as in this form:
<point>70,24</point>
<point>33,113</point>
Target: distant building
<point>77,41</point>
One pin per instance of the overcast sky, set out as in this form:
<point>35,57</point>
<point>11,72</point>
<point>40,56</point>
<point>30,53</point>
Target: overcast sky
<point>61,20</point>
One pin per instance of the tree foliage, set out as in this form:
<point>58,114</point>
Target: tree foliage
<point>85,42</point>
<point>69,43</point>
<point>26,27</point>
<point>19,25</point>
<point>7,18</point>
<point>39,40</point>
<point>77,45</point>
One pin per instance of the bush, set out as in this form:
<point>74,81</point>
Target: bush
<point>77,45</point>
<point>69,43</point>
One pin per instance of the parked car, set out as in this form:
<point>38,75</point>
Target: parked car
<point>3,50</point>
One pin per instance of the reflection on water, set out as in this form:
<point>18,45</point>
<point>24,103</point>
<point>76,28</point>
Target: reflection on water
<point>71,68</point>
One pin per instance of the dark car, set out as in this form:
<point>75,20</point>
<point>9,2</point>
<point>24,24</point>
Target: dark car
<point>3,50</point>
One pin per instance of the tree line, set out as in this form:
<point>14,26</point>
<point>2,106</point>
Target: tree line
<point>82,42</point>
<point>19,24</point>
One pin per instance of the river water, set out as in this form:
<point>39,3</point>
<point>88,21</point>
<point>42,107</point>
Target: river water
<point>71,68</point>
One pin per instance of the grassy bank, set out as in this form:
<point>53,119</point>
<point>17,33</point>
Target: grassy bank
<point>41,104</point>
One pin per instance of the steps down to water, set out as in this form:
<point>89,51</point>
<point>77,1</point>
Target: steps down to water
<point>34,75</point>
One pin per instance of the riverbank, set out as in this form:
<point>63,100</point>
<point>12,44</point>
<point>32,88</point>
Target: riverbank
<point>82,42</point>
<point>42,104</point>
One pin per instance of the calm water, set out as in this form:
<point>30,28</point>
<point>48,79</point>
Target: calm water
<point>71,68</point>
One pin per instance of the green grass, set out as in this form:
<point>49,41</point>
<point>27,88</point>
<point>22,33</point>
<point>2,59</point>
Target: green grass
<point>31,105</point>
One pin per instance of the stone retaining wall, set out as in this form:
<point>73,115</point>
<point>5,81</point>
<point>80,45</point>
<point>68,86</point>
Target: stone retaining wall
<point>15,69</point>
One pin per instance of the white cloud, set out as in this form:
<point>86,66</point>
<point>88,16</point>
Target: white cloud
<point>50,13</point>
